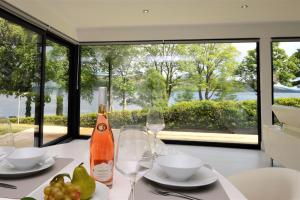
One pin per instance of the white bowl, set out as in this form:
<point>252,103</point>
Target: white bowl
<point>179,167</point>
<point>26,158</point>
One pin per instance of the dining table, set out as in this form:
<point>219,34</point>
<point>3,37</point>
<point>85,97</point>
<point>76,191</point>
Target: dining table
<point>78,150</point>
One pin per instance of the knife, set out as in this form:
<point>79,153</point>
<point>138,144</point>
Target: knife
<point>5,185</point>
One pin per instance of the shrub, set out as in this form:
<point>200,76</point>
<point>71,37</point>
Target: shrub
<point>206,114</point>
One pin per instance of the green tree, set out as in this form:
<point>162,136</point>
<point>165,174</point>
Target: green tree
<point>19,63</point>
<point>152,90</point>
<point>284,66</point>
<point>57,72</point>
<point>212,69</point>
<point>120,62</point>
<point>93,74</point>
<point>247,70</point>
<point>296,58</point>
<point>165,59</point>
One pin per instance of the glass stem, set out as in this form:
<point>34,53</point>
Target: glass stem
<point>155,145</point>
<point>132,191</point>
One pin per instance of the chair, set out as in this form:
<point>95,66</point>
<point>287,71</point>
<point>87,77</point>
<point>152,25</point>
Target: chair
<point>268,184</point>
<point>283,143</point>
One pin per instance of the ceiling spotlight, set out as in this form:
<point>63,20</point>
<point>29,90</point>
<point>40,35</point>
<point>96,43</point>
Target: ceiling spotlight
<point>244,6</point>
<point>146,11</point>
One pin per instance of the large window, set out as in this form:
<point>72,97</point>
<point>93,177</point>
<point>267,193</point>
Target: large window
<point>20,79</point>
<point>208,91</point>
<point>34,83</point>
<point>286,73</point>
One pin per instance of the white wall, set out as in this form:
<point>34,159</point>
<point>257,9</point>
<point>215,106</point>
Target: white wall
<point>263,31</point>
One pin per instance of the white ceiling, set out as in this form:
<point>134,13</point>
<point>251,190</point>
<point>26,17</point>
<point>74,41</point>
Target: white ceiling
<point>79,14</point>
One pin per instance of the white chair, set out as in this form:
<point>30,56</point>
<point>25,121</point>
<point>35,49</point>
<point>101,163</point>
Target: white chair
<point>268,184</point>
<point>283,143</point>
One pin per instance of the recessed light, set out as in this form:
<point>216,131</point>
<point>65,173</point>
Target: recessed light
<point>146,11</point>
<point>244,6</point>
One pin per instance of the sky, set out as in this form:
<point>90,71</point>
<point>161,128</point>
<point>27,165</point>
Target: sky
<point>290,47</point>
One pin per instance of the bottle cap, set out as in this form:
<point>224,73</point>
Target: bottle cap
<point>102,98</point>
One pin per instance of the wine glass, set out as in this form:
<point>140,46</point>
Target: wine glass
<point>134,156</point>
<point>155,123</point>
<point>6,138</point>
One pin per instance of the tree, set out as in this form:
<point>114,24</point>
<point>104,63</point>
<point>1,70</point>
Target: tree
<point>212,68</point>
<point>119,62</point>
<point>152,92</point>
<point>90,73</point>
<point>57,72</point>
<point>296,58</point>
<point>247,70</point>
<point>284,66</point>
<point>19,63</point>
<point>164,58</point>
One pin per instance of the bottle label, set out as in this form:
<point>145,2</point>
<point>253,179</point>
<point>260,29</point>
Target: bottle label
<point>103,172</point>
<point>101,127</point>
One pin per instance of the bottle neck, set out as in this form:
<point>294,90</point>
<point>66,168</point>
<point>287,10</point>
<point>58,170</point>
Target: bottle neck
<point>102,109</point>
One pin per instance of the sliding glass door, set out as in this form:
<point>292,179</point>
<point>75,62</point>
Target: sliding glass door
<point>34,82</point>
<point>56,91</point>
<point>20,78</point>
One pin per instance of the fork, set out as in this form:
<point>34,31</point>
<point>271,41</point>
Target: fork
<point>175,194</point>
<point>5,185</point>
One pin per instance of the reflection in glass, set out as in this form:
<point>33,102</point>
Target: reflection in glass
<point>56,91</point>
<point>286,73</point>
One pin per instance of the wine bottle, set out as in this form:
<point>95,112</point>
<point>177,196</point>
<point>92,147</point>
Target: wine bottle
<point>102,145</point>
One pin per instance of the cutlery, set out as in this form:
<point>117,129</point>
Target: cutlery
<point>174,194</point>
<point>5,185</point>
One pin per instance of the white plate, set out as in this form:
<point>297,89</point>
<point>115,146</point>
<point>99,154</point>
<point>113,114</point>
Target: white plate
<point>101,192</point>
<point>204,176</point>
<point>7,171</point>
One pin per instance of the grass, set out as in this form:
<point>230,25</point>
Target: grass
<point>15,128</point>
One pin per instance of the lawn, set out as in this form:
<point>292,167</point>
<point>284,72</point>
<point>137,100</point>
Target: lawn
<point>15,128</point>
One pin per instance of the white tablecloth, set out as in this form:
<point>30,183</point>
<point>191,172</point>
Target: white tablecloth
<point>79,150</point>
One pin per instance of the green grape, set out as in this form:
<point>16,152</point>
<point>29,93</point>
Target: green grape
<point>59,195</point>
<point>47,190</point>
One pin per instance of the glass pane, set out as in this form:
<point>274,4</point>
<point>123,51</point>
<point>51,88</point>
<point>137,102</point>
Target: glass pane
<point>19,80</point>
<point>286,74</point>
<point>94,74</point>
<point>56,91</point>
<point>208,91</point>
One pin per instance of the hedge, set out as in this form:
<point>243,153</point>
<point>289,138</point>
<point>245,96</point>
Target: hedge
<point>206,114</point>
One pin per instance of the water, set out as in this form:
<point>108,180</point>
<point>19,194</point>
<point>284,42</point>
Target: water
<point>9,105</point>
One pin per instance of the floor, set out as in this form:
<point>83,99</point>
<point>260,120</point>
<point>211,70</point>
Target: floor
<point>227,161</point>
<point>239,138</point>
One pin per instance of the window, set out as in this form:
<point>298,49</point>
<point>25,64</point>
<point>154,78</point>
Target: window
<point>56,91</point>
<point>286,73</point>
<point>20,80</point>
<point>208,91</point>
<point>34,82</point>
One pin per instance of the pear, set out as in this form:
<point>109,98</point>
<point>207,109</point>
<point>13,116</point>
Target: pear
<point>86,183</point>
